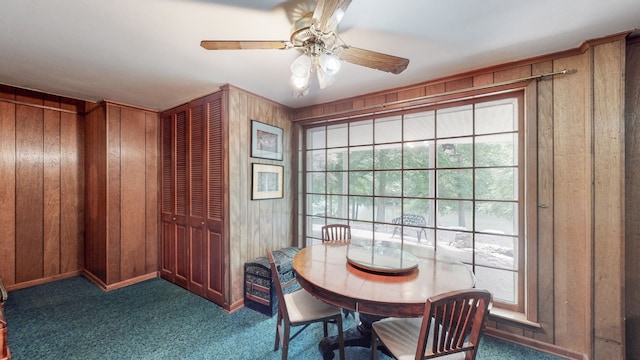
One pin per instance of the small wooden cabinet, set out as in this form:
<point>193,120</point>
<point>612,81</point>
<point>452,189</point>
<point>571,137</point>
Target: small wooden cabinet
<point>193,204</point>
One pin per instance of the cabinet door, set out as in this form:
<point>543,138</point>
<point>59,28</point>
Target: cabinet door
<point>173,217</point>
<point>197,179</point>
<point>193,198</point>
<point>167,192</point>
<point>215,199</point>
<point>181,208</point>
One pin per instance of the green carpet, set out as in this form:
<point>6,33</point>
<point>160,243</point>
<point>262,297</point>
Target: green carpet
<point>155,319</point>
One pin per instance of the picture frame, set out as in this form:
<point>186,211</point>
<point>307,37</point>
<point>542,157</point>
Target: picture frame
<point>266,141</point>
<point>266,181</point>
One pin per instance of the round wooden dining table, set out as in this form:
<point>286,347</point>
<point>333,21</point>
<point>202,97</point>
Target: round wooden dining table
<point>325,272</point>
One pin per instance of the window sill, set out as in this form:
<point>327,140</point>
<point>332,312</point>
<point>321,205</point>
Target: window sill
<point>513,317</point>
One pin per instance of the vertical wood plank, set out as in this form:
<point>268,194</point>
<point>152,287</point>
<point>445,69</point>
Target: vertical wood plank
<point>51,189</point>
<point>132,193</point>
<point>608,122</point>
<point>511,74</point>
<point>113,194</point>
<point>71,191</point>
<point>572,205</point>
<point>237,237</point>
<point>29,191</point>
<point>632,196</point>
<point>545,275</point>
<point>152,191</point>
<point>7,191</point>
<point>96,193</point>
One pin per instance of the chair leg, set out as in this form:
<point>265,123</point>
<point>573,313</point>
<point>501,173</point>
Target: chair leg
<point>347,313</point>
<point>285,341</point>
<point>340,337</point>
<point>278,324</point>
<point>374,345</point>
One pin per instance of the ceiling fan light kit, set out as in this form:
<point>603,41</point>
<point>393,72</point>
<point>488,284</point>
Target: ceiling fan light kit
<point>315,35</point>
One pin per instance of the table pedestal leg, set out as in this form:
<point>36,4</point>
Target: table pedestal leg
<point>355,336</point>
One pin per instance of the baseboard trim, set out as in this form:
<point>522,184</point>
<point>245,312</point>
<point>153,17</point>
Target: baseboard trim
<point>235,306</point>
<point>120,284</point>
<point>41,281</point>
<point>535,344</point>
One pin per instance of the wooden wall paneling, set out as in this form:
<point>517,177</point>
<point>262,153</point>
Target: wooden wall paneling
<point>632,196</point>
<point>241,162</point>
<point>236,214</point>
<point>152,194</point>
<point>72,234</point>
<point>132,192</point>
<point>544,118</point>
<point>608,122</point>
<point>342,106</point>
<point>29,190</point>
<point>113,193</point>
<point>288,206</point>
<point>96,194</point>
<point>483,79</point>
<point>530,225</point>
<point>7,189</point>
<point>572,205</point>
<point>374,100</point>
<point>242,239</point>
<point>251,233</point>
<point>458,84</point>
<point>52,185</point>
<point>512,74</point>
<point>411,93</point>
<point>432,89</point>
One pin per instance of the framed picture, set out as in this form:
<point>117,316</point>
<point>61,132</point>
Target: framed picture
<point>266,141</point>
<point>266,181</point>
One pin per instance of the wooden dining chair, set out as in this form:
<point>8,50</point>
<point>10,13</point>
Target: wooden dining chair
<point>300,308</point>
<point>336,233</point>
<point>451,326</point>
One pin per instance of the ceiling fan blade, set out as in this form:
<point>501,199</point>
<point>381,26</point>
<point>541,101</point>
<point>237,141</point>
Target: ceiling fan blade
<point>243,45</point>
<point>374,60</point>
<point>328,14</point>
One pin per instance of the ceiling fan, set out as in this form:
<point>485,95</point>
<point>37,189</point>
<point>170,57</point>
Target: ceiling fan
<point>315,35</point>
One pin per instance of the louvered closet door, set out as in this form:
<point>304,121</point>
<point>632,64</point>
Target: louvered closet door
<point>215,198</point>
<point>197,199</point>
<point>193,199</point>
<point>168,240</point>
<point>175,234</point>
<point>180,214</point>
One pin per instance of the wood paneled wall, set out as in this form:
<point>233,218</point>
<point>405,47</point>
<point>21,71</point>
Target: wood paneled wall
<point>122,194</point>
<point>580,186</point>
<point>256,226</point>
<point>41,187</point>
<point>632,204</point>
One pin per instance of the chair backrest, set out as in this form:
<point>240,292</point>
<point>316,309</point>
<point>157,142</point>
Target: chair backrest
<point>336,233</point>
<point>449,318</point>
<point>275,276</point>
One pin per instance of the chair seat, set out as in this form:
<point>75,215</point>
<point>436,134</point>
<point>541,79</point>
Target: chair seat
<point>400,337</point>
<point>304,307</point>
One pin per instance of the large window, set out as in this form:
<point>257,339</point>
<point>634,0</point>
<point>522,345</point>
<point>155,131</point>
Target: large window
<point>447,178</point>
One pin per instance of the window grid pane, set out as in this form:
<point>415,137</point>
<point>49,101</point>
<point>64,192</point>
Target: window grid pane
<point>447,178</point>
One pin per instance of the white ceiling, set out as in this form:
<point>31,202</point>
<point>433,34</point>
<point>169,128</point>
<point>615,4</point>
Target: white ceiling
<point>147,53</point>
